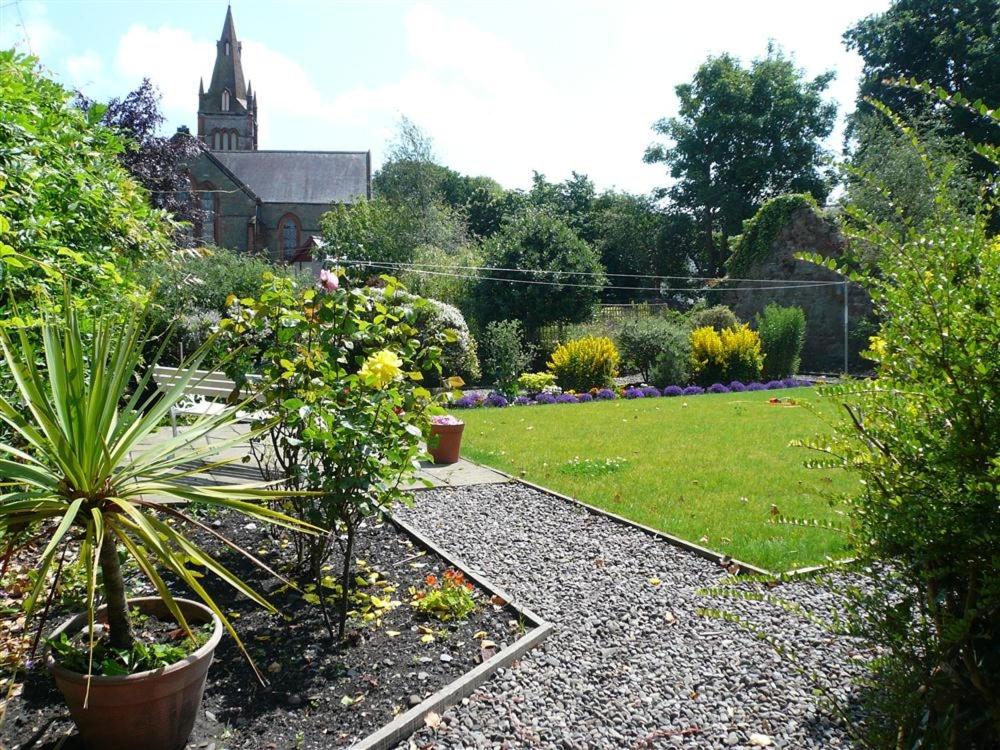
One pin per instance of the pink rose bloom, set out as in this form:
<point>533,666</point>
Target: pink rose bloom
<point>445,419</point>
<point>329,280</point>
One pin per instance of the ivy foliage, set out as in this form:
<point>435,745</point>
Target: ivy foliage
<point>760,231</point>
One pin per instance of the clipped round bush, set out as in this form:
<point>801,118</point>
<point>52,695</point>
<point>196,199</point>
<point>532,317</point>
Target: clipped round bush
<point>718,317</point>
<point>645,342</point>
<point>733,354</point>
<point>673,390</point>
<point>737,387</point>
<point>522,401</point>
<point>566,398</point>
<point>693,390</point>
<point>633,393</point>
<point>605,394</point>
<point>718,388</point>
<point>756,387</point>
<point>585,363</point>
<point>584,397</point>
<point>545,398</point>
<point>650,391</point>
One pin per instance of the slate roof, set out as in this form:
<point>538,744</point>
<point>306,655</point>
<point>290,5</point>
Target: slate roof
<point>301,176</point>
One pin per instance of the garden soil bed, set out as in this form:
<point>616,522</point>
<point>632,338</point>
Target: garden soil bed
<point>318,694</point>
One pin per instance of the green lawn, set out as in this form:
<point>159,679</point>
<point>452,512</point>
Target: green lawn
<point>705,468</point>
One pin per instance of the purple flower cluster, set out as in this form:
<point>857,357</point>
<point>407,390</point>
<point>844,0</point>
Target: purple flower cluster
<point>498,400</point>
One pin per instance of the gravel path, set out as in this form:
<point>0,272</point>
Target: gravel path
<point>632,664</point>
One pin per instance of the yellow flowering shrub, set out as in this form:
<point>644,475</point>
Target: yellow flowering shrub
<point>733,354</point>
<point>584,363</point>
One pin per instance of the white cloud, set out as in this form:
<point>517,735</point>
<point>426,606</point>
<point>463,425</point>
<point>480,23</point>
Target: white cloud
<point>493,108</point>
<point>84,69</point>
<point>28,28</point>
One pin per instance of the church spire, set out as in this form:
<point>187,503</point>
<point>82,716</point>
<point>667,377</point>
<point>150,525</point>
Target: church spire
<point>228,72</point>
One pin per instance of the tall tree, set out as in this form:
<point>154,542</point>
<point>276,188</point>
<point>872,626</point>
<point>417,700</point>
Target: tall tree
<point>539,240</point>
<point>626,228</point>
<point>954,45</point>
<point>743,135</point>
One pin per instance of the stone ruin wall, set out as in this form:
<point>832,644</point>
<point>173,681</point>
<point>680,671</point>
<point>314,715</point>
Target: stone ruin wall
<point>809,231</point>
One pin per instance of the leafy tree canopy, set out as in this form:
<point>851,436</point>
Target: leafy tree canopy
<point>537,239</point>
<point>955,46</point>
<point>743,135</point>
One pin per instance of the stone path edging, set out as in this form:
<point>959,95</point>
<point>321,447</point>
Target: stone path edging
<point>407,723</point>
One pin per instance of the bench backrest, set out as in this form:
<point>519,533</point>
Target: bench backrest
<point>203,383</point>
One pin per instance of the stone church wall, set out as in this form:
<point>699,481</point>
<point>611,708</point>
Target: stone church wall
<point>807,230</point>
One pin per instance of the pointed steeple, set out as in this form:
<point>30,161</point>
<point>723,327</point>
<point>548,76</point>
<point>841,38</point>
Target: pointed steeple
<point>228,72</point>
<point>201,86</point>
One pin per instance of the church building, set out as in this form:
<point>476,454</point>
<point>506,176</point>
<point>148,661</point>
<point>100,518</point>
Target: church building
<point>257,200</point>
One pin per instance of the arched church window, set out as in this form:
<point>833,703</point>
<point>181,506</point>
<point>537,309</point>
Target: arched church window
<point>288,236</point>
<point>207,218</point>
<point>225,101</point>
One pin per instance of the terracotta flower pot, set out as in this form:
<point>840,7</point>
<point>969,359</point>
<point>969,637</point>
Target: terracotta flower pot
<point>153,710</point>
<point>450,442</point>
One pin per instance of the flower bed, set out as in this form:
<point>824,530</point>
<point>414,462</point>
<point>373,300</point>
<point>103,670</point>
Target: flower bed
<point>497,400</point>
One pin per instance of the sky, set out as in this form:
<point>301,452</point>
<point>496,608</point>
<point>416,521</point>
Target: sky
<point>503,87</point>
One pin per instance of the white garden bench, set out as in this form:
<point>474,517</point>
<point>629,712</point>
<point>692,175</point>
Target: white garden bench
<point>207,392</point>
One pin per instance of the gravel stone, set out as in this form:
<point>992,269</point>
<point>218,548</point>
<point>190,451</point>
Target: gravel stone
<point>630,664</point>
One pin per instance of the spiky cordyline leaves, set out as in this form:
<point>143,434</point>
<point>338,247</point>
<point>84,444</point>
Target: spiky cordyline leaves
<point>84,468</point>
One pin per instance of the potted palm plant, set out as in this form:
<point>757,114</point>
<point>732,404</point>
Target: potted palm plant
<point>79,467</point>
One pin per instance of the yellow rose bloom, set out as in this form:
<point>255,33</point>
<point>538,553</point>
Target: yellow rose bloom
<point>382,368</point>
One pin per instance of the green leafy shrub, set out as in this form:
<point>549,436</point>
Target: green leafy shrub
<point>733,354</point>
<point>673,362</point>
<point>644,341</point>
<point>590,362</point>
<point>535,382</point>
<point>505,354</point>
<point>446,599</point>
<point>341,367</point>
<point>190,289</point>
<point>718,317</point>
<point>924,439</point>
<point>434,319</point>
<point>782,333</point>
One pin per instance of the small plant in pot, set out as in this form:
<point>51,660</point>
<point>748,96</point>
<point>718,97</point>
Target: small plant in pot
<point>78,469</point>
<point>446,438</point>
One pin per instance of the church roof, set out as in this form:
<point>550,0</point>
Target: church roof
<point>301,176</point>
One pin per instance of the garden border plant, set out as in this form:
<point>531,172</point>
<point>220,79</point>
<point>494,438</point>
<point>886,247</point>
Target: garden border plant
<point>77,473</point>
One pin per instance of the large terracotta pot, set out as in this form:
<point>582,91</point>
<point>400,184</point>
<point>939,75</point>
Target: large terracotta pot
<point>449,445</point>
<point>152,710</point>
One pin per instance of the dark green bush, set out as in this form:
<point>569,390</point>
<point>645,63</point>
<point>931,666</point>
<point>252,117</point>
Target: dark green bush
<point>672,365</point>
<point>504,354</point>
<point>643,342</point>
<point>782,333</point>
<point>718,317</point>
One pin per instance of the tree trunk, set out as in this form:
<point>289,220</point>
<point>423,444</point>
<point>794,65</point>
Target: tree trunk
<point>345,579</point>
<point>119,623</point>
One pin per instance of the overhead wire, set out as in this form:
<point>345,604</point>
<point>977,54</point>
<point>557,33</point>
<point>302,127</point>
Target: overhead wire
<point>538,282</point>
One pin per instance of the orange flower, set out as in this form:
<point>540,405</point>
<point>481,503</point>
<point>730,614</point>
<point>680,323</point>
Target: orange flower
<point>431,580</point>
